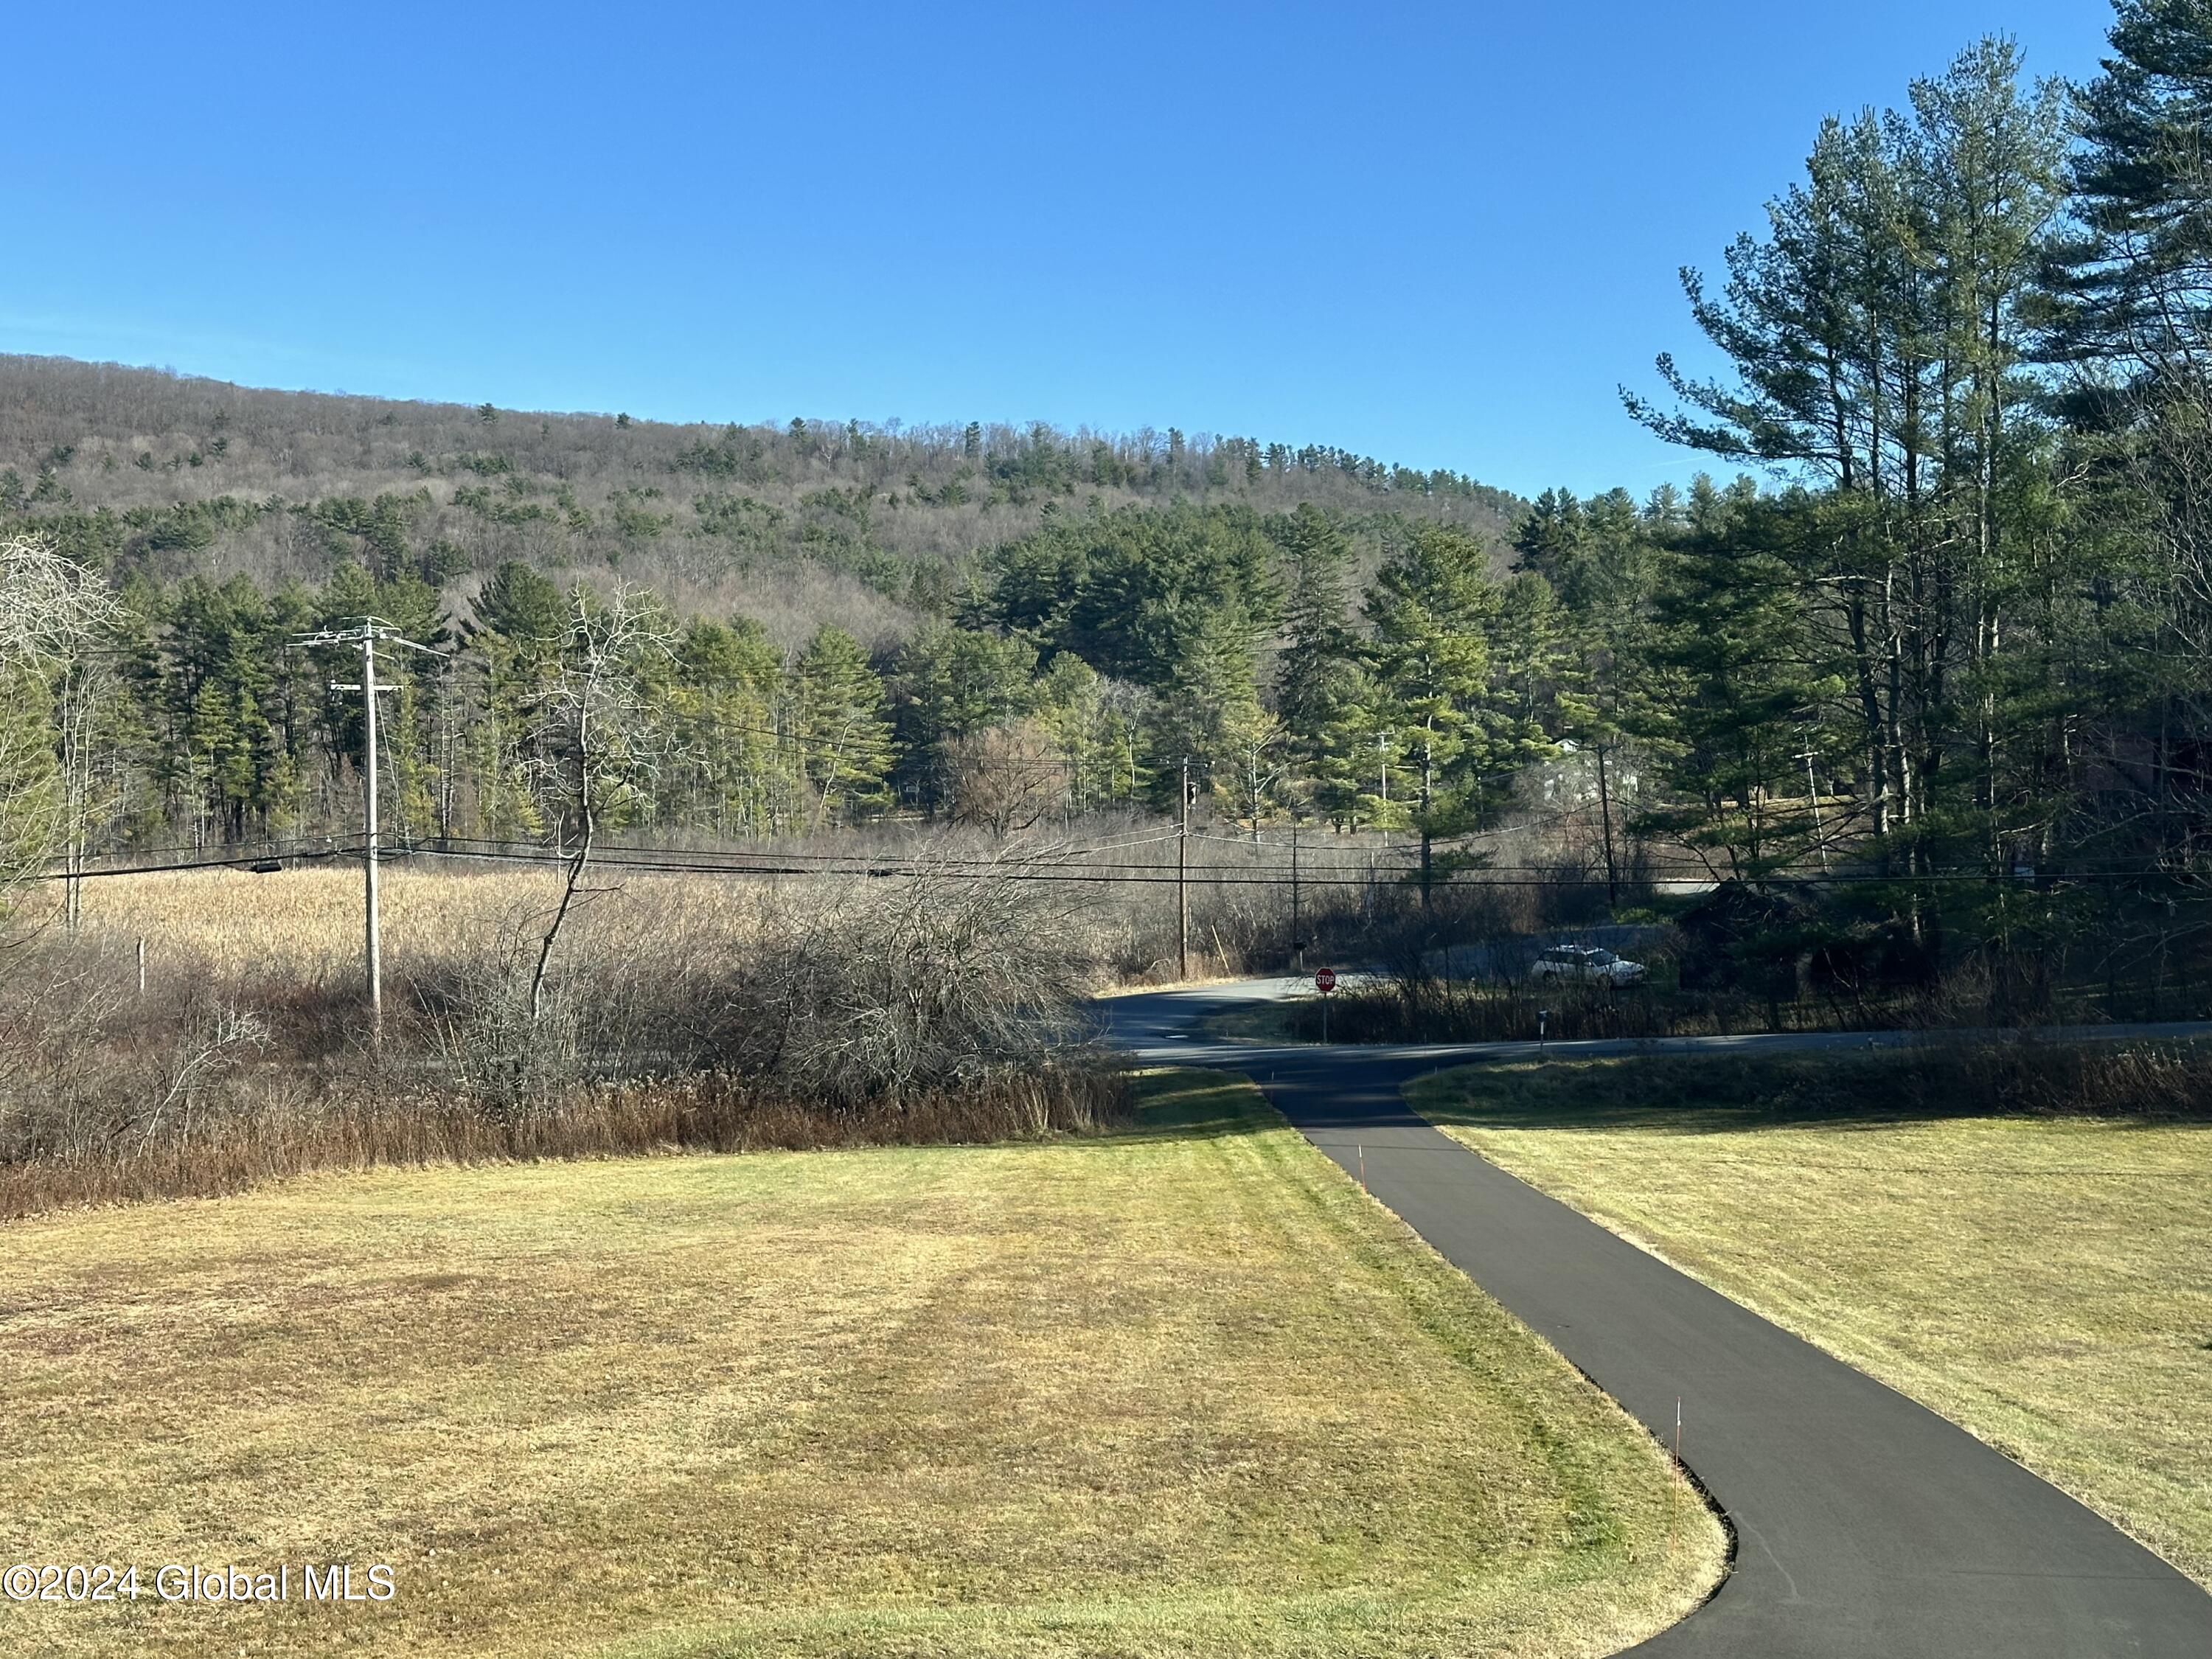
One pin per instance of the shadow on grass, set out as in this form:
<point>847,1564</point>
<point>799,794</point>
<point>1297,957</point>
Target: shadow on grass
<point>1187,1103</point>
<point>2152,1083</point>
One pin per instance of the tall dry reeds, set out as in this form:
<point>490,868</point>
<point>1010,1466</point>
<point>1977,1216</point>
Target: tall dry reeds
<point>2031,1076</point>
<point>270,1124</point>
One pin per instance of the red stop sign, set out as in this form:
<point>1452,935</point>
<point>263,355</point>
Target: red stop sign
<point>1325,980</point>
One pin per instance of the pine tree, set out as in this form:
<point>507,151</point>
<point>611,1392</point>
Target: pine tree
<point>950,682</point>
<point>2132,299</point>
<point>844,739</point>
<point>1740,687</point>
<point>1431,610</point>
<point>1318,643</point>
<point>1209,700</point>
<point>720,701</point>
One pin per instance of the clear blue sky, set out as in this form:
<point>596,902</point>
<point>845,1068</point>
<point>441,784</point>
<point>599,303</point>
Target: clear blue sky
<point>1436,234</point>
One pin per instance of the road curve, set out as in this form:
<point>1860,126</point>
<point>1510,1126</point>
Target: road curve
<point>1867,1527</point>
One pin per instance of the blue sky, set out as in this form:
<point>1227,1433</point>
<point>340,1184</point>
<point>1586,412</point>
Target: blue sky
<point>1438,235</point>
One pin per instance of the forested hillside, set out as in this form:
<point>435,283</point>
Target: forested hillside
<point>825,623</point>
<point>867,527</point>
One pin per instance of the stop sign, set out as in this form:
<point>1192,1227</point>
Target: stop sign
<point>1325,980</point>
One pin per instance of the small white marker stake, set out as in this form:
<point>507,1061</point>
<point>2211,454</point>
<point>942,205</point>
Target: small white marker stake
<point>1363,1169</point>
<point>1674,1489</point>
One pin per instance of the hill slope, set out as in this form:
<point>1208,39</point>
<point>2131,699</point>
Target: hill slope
<point>865,527</point>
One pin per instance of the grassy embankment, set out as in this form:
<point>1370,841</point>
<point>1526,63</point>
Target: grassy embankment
<point>1182,1389</point>
<point>2039,1277</point>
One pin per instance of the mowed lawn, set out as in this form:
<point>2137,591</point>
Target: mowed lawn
<point>2046,1282</point>
<point>1180,1390</point>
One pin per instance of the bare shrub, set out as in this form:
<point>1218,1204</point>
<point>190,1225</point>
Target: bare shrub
<point>2035,1076</point>
<point>214,1041</point>
<point>921,984</point>
<point>1498,1008</point>
<point>870,991</point>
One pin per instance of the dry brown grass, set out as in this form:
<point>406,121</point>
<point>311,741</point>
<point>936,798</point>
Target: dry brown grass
<point>303,926</point>
<point>1184,1390</point>
<point>305,923</point>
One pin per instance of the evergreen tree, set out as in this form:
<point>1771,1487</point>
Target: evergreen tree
<point>1877,336</point>
<point>844,739</point>
<point>1551,539</point>
<point>2132,313</point>
<point>949,682</point>
<point>524,608</point>
<point>1318,643</point>
<point>720,699</point>
<point>1207,704</point>
<point>1735,651</point>
<point>1434,613</point>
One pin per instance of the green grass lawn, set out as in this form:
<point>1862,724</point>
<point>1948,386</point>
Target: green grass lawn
<point>2046,1282</point>
<point>1179,1390</point>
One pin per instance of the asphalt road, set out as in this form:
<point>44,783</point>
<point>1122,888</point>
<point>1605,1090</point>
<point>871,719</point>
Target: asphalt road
<point>1867,1527</point>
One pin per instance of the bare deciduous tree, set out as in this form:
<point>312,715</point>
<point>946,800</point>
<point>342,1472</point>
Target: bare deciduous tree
<point>51,611</point>
<point>596,748</point>
<point>1006,778</point>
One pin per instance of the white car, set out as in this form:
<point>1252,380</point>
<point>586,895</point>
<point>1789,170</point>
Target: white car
<point>1585,964</point>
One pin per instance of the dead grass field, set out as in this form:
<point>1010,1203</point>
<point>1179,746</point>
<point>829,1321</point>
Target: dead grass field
<point>2045,1281</point>
<point>303,925</point>
<point>1180,1390</point>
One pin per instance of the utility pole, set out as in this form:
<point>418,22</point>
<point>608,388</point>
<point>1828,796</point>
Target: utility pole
<point>1383,748</point>
<point>1298,938</point>
<point>1604,818</point>
<point>1813,794</point>
<point>365,632</point>
<point>1182,885</point>
<point>372,919</point>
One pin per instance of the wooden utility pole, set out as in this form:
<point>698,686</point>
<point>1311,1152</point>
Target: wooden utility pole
<point>366,632</point>
<point>1298,938</point>
<point>1182,882</point>
<point>373,932</point>
<point>1382,748</point>
<point>1605,820</point>
<point>1813,795</point>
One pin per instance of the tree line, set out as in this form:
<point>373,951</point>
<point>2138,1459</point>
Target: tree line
<point>1961,632</point>
<point>1078,668</point>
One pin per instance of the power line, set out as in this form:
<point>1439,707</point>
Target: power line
<point>831,865</point>
<point>244,861</point>
<point>1218,876</point>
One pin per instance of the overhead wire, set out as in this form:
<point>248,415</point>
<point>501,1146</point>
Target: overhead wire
<point>644,861</point>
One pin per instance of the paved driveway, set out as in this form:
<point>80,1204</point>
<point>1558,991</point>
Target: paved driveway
<point>1867,1527</point>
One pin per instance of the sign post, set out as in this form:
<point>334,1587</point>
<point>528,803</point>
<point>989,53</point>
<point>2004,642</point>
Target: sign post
<point>1325,982</point>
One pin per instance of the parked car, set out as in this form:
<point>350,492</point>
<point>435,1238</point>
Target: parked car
<point>1585,964</point>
